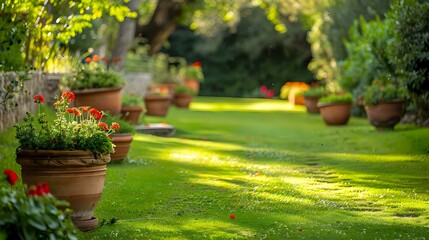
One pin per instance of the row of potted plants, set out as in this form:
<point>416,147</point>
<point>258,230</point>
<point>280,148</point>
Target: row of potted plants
<point>382,100</point>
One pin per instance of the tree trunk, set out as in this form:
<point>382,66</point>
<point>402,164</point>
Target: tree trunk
<point>162,23</point>
<point>126,34</point>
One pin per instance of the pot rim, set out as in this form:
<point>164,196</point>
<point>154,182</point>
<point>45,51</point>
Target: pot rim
<point>321,105</point>
<point>96,90</point>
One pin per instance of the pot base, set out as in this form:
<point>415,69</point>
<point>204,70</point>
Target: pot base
<point>86,225</point>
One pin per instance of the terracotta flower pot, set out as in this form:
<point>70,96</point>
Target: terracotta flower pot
<point>74,176</point>
<point>131,114</point>
<point>103,99</point>
<point>193,84</point>
<point>182,100</point>
<point>157,105</point>
<point>335,113</point>
<point>311,104</point>
<point>122,143</point>
<point>385,115</point>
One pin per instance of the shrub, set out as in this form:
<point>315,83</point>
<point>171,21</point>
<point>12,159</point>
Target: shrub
<point>337,98</point>
<point>382,90</point>
<point>315,92</point>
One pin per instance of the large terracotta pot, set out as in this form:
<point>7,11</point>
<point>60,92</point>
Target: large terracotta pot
<point>311,104</point>
<point>157,105</point>
<point>385,115</point>
<point>131,114</point>
<point>103,99</point>
<point>74,176</point>
<point>122,143</point>
<point>193,84</point>
<point>335,113</point>
<point>182,100</point>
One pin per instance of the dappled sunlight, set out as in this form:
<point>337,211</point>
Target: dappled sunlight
<point>374,157</point>
<point>267,106</point>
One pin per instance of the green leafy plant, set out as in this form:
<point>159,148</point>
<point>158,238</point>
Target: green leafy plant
<point>194,71</point>
<point>185,90</point>
<point>34,213</point>
<point>132,100</point>
<point>382,90</point>
<point>72,128</point>
<point>342,97</point>
<point>314,92</point>
<point>93,74</point>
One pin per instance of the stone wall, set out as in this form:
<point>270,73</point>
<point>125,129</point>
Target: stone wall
<point>22,102</point>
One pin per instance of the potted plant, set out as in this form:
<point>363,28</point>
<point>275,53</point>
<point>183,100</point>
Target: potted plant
<point>292,91</point>
<point>311,97</point>
<point>157,103</point>
<point>69,153</point>
<point>132,107</point>
<point>384,104</point>
<point>95,85</point>
<point>183,96</point>
<point>193,76</point>
<point>335,108</point>
<point>32,213</point>
<point>122,138</point>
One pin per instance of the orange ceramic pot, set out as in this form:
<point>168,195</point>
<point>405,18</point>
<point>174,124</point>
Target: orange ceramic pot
<point>103,99</point>
<point>74,176</point>
<point>335,113</point>
<point>157,105</point>
<point>131,114</point>
<point>193,84</point>
<point>182,100</point>
<point>122,143</point>
<point>385,115</point>
<point>311,104</point>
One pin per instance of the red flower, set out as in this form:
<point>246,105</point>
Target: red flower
<point>77,112</point>
<point>70,110</point>
<point>115,126</point>
<point>103,126</point>
<point>68,95</point>
<point>95,113</point>
<point>39,99</point>
<point>85,109</point>
<point>196,64</point>
<point>232,216</point>
<point>88,59</point>
<point>263,89</point>
<point>95,58</point>
<point>270,93</point>
<point>39,190</point>
<point>12,177</point>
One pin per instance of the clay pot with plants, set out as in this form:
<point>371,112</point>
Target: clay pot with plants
<point>335,108</point>
<point>311,98</point>
<point>157,103</point>
<point>132,108</point>
<point>122,138</point>
<point>194,76</point>
<point>384,104</point>
<point>183,96</point>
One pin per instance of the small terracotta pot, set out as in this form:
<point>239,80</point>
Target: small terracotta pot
<point>385,115</point>
<point>131,114</point>
<point>335,113</point>
<point>74,176</point>
<point>182,100</point>
<point>157,105</point>
<point>103,99</point>
<point>311,104</point>
<point>122,143</point>
<point>193,84</point>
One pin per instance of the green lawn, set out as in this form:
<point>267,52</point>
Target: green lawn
<point>283,173</point>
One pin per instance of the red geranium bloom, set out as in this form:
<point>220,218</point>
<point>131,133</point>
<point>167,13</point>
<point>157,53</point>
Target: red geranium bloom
<point>70,110</point>
<point>95,113</point>
<point>103,126</point>
<point>39,190</point>
<point>85,109</point>
<point>88,59</point>
<point>95,58</point>
<point>77,112</point>
<point>263,89</point>
<point>115,126</point>
<point>232,216</point>
<point>68,95</point>
<point>270,93</point>
<point>196,64</point>
<point>12,176</point>
<point>39,99</point>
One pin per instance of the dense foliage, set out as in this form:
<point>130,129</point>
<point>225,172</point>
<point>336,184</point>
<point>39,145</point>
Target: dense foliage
<point>382,90</point>
<point>337,98</point>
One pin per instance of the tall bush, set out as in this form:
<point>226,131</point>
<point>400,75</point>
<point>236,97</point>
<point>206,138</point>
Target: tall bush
<point>411,53</point>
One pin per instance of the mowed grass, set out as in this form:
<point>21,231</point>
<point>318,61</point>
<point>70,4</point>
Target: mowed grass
<point>283,173</point>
